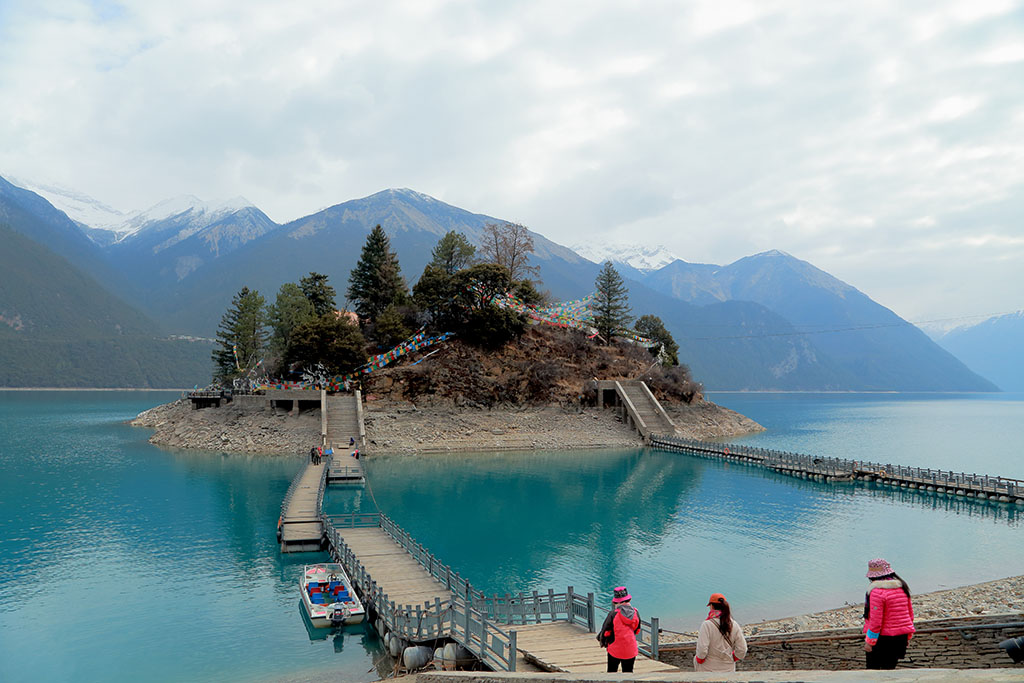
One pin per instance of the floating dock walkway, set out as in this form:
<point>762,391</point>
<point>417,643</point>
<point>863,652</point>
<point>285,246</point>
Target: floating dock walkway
<point>944,482</point>
<point>421,600</point>
<point>300,527</point>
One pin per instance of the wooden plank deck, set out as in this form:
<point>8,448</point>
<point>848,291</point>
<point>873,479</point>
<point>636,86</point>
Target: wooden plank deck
<point>398,574</point>
<point>301,529</point>
<point>561,646</point>
<point>343,468</point>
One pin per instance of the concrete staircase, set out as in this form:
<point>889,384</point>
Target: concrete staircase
<point>639,406</point>
<point>345,420</point>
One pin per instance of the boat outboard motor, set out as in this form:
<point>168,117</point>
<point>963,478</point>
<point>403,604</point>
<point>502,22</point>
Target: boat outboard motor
<point>1014,648</point>
<point>338,615</point>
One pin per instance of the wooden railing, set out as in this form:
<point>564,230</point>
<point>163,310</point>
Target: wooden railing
<point>842,467</point>
<point>470,617</point>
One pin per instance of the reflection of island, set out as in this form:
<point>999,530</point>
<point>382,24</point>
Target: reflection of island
<point>537,520</point>
<point>529,512</point>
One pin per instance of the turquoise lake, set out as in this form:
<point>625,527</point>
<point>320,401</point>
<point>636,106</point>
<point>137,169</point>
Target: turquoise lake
<point>120,560</point>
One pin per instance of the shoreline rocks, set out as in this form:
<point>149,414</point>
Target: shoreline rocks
<point>398,427</point>
<point>991,597</point>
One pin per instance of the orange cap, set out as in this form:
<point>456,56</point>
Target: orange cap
<point>716,597</point>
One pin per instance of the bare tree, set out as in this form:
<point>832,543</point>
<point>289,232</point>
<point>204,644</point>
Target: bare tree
<point>509,245</point>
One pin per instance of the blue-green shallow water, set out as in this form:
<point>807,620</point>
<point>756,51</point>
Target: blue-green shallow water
<point>982,433</point>
<point>120,561</point>
<point>675,529</point>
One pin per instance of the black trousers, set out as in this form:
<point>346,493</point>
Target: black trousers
<point>887,652</point>
<point>627,664</point>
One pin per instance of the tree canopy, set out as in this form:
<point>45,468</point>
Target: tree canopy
<point>652,327</point>
<point>328,339</point>
<point>611,311</point>
<point>376,281</point>
<point>320,294</point>
<point>509,245</point>
<point>241,335</point>
<point>289,310</point>
<point>452,253</point>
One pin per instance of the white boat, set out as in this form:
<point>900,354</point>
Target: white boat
<point>328,596</point>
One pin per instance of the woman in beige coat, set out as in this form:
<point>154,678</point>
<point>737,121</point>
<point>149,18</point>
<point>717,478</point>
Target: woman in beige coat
<point>720,643</point>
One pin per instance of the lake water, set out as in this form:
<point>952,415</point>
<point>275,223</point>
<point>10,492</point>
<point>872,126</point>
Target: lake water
<point>119,560</point>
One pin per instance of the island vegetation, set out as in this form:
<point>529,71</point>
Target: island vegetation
<point>492,354</point>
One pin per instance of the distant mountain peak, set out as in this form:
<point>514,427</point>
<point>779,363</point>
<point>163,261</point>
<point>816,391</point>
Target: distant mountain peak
<point>643,257</point>
<point>78,206</point>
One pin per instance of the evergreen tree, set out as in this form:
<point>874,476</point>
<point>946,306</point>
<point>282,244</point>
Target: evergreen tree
<point>376,281</point>
<point>435,293</point>
<point>329,339</point>
<point>291,308</point>
<point>318,292</point>
<point>611,311</point>
<point>390,329</point>
<point>241,335</point>
<point>452,253</point>
<point>652,327</point>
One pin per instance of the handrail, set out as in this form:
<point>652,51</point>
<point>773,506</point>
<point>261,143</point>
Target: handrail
<point>657,405</point>
<point>641,425</point>
<point>830,466</point>
<point>469,616</point>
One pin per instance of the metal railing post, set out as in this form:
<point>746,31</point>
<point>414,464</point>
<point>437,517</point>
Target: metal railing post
<point>512,650</point>
<point>590,612</point>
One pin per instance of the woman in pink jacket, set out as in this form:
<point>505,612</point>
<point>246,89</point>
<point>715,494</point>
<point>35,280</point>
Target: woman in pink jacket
<point>888,617</point>
<point>618,633</point>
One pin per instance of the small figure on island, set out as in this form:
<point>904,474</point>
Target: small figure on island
<point>888,617</point>
<point>351,441</point>
<point>330,451</point>
<point>618,633</point>
<point>720,642</point>
<point>319,455</point>
<point>355,454</point>
<point>312,455</point>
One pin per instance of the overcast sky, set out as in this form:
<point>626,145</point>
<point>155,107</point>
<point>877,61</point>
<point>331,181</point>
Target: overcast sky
<point>881,141</point>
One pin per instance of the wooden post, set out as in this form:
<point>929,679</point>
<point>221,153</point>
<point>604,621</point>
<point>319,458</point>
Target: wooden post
<point>569,599</point>
<point>655,629</point>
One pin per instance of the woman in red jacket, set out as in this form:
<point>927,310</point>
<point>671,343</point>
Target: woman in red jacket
<point>618,633</point>
<point>888,617</point>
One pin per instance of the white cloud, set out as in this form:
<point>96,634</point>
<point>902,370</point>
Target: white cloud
<point>882,141</point>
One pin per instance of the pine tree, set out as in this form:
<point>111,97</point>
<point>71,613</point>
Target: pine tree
<point>318,292</point>
<point>376,281</point>
<point>610,310</point>
<point>652,327</point>
<point>291,308</point>
<point>241,335</point>
<point>452,253</point>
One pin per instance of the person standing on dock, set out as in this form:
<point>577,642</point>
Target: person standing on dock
<point>888,616</point>
<point>312,456</point>
<point>618,633</point>
<point>720,642</point>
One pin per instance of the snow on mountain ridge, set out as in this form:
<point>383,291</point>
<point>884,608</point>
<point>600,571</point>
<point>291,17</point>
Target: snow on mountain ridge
<point>200,213</point>
<point>78,206</point>
<point>639,256</point>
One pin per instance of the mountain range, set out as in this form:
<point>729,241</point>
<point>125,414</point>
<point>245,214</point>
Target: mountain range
<point>768,321</point>
<point>991,348</point>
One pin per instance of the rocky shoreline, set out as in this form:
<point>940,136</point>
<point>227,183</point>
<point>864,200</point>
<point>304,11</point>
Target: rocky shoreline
<point>398,427</point>
<point>991,597</point>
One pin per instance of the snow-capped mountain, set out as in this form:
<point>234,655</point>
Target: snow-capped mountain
<point>190,215</point>
<point>644,258</point>
<point>78,206</point>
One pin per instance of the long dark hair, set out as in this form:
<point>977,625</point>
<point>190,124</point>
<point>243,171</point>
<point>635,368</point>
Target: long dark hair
<point>867,596</point>
<point>724,617</point>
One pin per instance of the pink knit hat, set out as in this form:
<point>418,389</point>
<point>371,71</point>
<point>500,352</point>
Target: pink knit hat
<point>621,595</point>
<point>878,567</point>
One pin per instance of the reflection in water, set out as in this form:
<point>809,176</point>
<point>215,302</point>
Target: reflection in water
<point>675,528</point>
